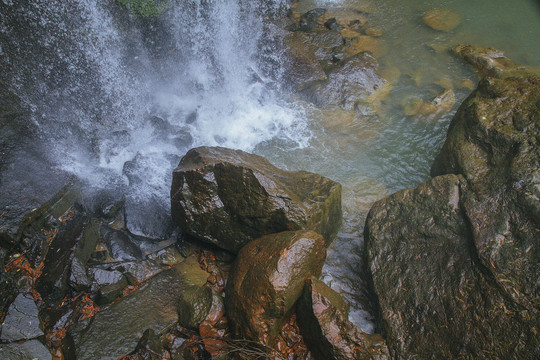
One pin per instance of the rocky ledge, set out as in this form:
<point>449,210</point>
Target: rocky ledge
<point>455,262</point>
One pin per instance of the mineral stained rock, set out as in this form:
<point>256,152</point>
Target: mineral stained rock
<point>266,280</point>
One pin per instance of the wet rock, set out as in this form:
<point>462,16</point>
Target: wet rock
<point>466,84</point>
<point>360,43</point>
<point>375,32</point>
<point>120,245</point>
<point>309,20</point>
<point>355,81</point>
<point>327,39</point>
<point>78,278</point>
<point>32,349</point>
<point>108,293</point>
<point>150,347</point>
<point>437,299</point>
<point>491,62</point>
<point>442,103</point>
<point>332,24</point>
<point>21,321</point>
<point>229,197</point>
<point>136,271</point>
<point>116,330</point>
<point>194,306</point>
<point>493,141</point>
<point>323,319</point>
<point>53,282</point>
<point>442,19</point>
<point>266,280</point>
<point>301,65</point>
<point>412,106</point>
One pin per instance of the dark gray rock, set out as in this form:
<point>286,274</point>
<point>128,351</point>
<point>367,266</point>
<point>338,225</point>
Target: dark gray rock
<point>309,20</point>
<point>110,292</point>
<point>22,320</point>
<point>31,349</point>
<point>120,245</point>
<point>116,330</point>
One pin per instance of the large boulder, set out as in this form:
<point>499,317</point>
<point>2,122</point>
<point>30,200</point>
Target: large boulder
<point>323,319</point>
<point>455,261</point>
<point>229,198</point>
<point>266,280</point>
<point>437,299</point>
<point>494,142</point>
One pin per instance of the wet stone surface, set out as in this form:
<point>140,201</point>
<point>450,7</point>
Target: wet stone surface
<point>22,320</point>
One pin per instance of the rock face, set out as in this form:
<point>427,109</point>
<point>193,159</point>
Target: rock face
<point>455,261</point>
<point>229,198</point>
<point>323,319</point>
<point>266,280</point>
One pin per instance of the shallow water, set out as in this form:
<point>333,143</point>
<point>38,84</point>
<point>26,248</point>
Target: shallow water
<point>95,79</point>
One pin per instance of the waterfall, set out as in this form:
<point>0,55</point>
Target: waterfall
<point>118,98</point>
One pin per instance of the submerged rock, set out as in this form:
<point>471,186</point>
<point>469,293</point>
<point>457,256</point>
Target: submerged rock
<point>491,62</point>
<point>353,83</point>
<point>301,65</point>
<point>228,198</point>
<point>455,261</point>
<point>323,319</point>
<point>266,280</point>
<point>442,19</point>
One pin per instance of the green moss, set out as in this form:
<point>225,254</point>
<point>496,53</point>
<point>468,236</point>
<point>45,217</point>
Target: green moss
<point>146,8</point>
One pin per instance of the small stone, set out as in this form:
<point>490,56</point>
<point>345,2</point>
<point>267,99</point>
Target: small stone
<point>442,19</point>
<point>466,84</point>
<point>375,32</point>
<point>412,106</point>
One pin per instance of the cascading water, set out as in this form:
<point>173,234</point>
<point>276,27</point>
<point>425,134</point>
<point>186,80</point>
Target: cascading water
<point>118,98</point>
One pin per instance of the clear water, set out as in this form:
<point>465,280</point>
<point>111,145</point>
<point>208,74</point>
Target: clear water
<point>95,77</point>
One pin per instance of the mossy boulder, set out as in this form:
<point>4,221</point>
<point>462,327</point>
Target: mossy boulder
<point>267,278</point>
<point>229,197</point>
<point>455,262</point>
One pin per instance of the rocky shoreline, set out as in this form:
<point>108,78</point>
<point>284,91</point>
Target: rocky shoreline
<point>453,265</point>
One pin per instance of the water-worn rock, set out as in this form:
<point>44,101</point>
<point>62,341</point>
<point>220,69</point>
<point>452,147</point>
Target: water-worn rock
<point>356,81</point>
<point>115,331</point>
<point>323,319</point>
<point>266,280</point>
<point>455,261</point>
<point>301,65</point>
<point>229,197</point>
<point>21,321</point>
<point>194,306</point>
<point>442,19</point>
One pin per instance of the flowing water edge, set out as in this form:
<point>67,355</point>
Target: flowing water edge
<point>117,100</point>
